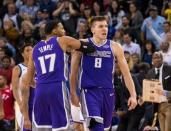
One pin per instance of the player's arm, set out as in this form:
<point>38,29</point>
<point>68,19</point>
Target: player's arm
<point>25,98</point>
<point>68,44</point>
<point>75,61</point>
<point>119,54</point>
<point>15,83</point>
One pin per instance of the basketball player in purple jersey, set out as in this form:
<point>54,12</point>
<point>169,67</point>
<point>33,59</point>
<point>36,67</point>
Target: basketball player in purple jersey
<point>96,77</point>
<point>50,108</point>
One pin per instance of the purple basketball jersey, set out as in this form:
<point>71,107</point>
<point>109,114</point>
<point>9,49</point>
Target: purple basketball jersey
<point>98,67</point>
<point>49,60</point>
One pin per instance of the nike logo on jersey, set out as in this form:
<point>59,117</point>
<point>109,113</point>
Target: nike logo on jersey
<point>111,94</point>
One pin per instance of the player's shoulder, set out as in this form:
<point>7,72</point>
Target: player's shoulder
<point>115,44</point>
<point>16,69</point>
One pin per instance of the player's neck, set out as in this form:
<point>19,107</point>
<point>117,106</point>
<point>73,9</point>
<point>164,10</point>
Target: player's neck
<point>98,41</point>
<point>25,62</point>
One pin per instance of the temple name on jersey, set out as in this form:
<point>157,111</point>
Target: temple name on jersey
<point>45,48</point>
<point>101,54</point>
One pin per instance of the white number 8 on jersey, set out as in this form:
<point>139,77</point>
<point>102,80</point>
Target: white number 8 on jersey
<point>98,63</point>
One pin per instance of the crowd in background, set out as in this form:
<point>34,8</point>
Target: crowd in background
<point>142,27</point>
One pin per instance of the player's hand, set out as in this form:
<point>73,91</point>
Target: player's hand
<point>132,103</point>
<point>27,124</point>
<point>78,126</point>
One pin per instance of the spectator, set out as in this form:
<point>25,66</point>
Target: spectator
<point>88,14</point>
<point>13,15</point>
<point>129,60</point>
<point>136,20</point>
<point>49,5</point>
<point>82,30</point>
<point>118,37</point>
<point>67,14</point>
<point>11,32</point>
<point>166,53</point>
<point>97,9</point>
<point>10,50</point>
<point>6,69</point>
<point>166,10</point>
<point>148,52</point>
<point>28,10</point>
<point>136,61</point>
<point>156,22</point>
<point>2,54</point>
<point>116,14</point>
<point>7,123</point>
<point>160,37</point>
<point>130,46</point>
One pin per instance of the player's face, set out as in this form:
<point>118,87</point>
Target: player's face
<point>59,30</point>
<point>26,52</point>
<point>100,29</point>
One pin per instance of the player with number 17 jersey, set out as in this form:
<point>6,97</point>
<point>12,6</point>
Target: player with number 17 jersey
<point>49,59</point>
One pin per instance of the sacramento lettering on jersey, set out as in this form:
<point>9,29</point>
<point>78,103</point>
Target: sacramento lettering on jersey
<point>101,54</point>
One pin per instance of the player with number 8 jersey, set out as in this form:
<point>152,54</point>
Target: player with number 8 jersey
<point>96,77</point>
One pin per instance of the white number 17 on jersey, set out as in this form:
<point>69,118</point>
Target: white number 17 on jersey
<point>51,64</point>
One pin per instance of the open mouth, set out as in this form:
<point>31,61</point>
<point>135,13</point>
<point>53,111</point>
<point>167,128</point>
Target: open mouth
<point>104,34</point>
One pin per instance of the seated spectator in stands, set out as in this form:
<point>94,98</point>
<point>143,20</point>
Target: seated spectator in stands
<point>143,70</point>
<point>166,52</point>
<point>7,123</point>
<point>39,32</point>
<point>10,50</point>
<point>49,5</point>
<point>2,54</point>
<point>82,30</point>
<point>28,10</point>
<point>129,60</point>
<point>116,14</point>
<point>68,16</point>
<point>10,31</point>
<point>148,52</point>
<point>160,37</point>
<point>13,15</point>
<point>156,22</point>
<point>111,29</point>
<point>136,60</point>
<point>88,14</point>
<point>136,20</point>
<point>118,37</point>
<point>129,45</point>
<point>168,39</point>
<point>166,10</point>
<point>97,9</point>
<point>6,69</point>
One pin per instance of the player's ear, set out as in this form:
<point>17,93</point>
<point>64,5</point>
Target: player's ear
<point>92,29</point>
